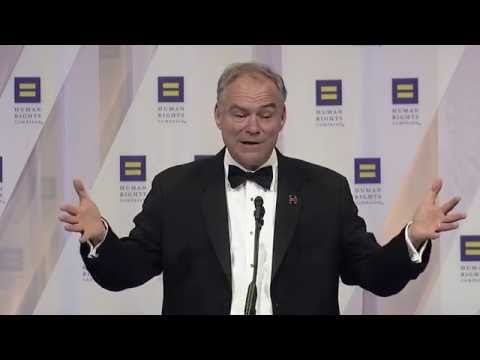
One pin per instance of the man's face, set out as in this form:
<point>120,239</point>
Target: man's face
<point>250,115</point>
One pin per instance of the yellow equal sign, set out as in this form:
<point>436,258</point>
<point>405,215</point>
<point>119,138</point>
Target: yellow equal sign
<point>472,247</point>
<point>27,89</point>
<point>368,170</point>
<point>171,89</point>
<point>405,91</point>
<point>133,168</point>
<point>328,92</point>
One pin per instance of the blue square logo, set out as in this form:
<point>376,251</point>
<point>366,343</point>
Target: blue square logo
<point>367,171</point>
<point>405,91</point>
<point>328,92</point>
<point>27,90</point>
<point>470,247</point>
<point>170,89</point>
<point>133,168</point>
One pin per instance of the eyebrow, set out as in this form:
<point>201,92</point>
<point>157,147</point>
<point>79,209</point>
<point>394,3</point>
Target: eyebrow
<point>237,107</point>
<point>269,105</point>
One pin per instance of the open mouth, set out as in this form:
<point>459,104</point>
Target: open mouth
<point>250,142</point>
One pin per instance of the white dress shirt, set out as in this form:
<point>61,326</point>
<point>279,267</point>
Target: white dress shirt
<point>240,204</point>
<point>241,226</point>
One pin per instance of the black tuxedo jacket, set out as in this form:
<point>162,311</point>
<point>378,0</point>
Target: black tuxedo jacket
<point>182,231</point>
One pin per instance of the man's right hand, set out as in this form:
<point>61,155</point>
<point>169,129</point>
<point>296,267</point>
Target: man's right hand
<point>84,218</point>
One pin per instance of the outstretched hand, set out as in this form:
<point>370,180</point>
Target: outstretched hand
<point>84,218</point>
<point>431,219</point>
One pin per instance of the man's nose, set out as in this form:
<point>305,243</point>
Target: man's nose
<point>252,126</point>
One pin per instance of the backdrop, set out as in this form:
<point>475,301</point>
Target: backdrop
<point>389,118</point>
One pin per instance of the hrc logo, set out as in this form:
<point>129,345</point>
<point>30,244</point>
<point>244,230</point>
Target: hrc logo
<point>405,91</point>
<point>329,92</point>
<point>133,168</point>
<point>470,247</point>
<point>170,89</point>
<point>367,171</point>
<point>27,90</point>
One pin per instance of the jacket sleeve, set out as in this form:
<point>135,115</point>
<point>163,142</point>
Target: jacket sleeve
<point>383,271</point>
<point>133,260</point>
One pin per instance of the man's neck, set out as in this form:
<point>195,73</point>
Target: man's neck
<point>229,160</point>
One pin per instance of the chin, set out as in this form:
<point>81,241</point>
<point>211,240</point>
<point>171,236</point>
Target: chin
<point>251,162</point>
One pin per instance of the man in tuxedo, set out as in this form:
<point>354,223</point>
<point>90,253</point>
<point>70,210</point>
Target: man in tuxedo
<point>197,226</point>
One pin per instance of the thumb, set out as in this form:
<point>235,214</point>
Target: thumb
<point>80,189</point>
<point>434,190</point>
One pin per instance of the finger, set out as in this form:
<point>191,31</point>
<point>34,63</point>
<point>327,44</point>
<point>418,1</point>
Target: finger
<point>454,217</point>
<point>450,204</point>
<point>71,209</point>
<point>74,228</point>
<point>447,227</point>
<point>80,189</point>
<point>434,190</point>
<point>68,219</point>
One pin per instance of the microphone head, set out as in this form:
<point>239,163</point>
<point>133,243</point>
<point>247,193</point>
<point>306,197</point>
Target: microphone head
<point>258,201</point>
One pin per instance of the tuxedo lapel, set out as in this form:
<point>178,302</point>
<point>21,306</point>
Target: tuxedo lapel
<point>289,203</point>
<point>214,208</point>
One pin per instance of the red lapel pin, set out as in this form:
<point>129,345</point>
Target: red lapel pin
<point>292,199</point>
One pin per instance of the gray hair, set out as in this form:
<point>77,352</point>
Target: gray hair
<point>233,71</point>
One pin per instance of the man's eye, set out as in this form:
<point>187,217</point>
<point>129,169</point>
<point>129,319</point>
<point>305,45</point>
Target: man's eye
<point>240,115</point>
<point>266,115</point>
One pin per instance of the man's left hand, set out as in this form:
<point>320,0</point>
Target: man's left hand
<point>431,219</point>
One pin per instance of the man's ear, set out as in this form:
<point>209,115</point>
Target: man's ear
<point>284,115</point>
<point>218,120</point>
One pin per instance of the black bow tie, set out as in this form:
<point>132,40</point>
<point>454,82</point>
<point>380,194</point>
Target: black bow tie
<point>262,177</point>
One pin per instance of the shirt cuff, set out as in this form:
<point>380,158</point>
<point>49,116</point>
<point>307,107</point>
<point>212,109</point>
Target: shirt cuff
<point>93,249</point>
<point>415,255</point>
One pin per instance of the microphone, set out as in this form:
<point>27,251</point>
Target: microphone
<point>252,288</point>
<point>259,210</point>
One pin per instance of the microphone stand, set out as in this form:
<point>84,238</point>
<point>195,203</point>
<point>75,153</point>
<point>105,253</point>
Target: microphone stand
<point>252,288</point>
